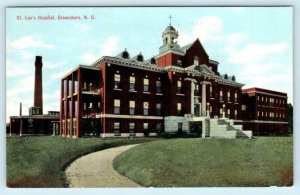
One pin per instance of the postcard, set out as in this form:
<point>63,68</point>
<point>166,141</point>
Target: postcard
<point>139,97</point>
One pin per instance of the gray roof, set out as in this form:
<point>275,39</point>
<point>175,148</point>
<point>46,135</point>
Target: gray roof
<point>170,28</point>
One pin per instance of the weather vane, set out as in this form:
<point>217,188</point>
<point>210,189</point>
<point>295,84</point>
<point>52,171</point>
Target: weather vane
<point>170,19</point>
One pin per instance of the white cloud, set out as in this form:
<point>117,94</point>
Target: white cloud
<point>51,65</point>
<point>23,86</point>
<point>257,52</point>
<point>108,47</point>
<point>16,69</point>
<point>27,55</point>
<point>235,38</point>
<point>263,65</point>
<point>206,29</point>
<point>28,42</point>
<point>88,57</point>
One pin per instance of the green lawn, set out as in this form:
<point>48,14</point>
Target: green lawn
<point>264,161</point>
<point>39,161</point>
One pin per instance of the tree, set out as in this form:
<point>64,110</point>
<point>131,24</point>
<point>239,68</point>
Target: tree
<point>290,117</point>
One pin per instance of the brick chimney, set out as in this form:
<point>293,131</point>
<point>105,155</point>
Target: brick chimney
<point>38,84</point>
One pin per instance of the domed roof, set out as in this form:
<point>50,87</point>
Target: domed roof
<point>170,28</point>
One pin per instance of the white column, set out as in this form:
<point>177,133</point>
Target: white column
<point>203,97</point>
<point>192,97</point>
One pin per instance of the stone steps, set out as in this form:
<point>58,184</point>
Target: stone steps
<point>225,128</point>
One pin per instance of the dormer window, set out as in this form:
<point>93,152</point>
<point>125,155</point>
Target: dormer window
<point>125,55</point>
<point>153,61</point>
<point>140,58</point>
<point>196,60</point>
<point>233,78</point>
<point>179,62</point>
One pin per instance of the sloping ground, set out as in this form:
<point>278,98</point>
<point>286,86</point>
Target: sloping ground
<point>96,170</point>
<point>263,161</point>
<point>39,161</point>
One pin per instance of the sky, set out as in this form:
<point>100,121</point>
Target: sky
<point>253,43</point>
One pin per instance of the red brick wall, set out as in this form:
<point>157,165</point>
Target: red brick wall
<point>195,50</point>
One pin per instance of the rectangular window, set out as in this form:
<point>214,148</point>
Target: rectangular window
<point>158,127</point>
<point>158,86</point>
<point>243,107</point>
<point>146,108</point>
<point>179,108</point>
<point>221,95</point>
<point>158,109</point>
<point>146,85</point>
<point>235,97</point>
<point>117,105</point>
<point>145,129</point>
<point>228,113</point>
<point>131,107</point>
<point>179,87</point>
<point>132,129</point>
<point>179,127</point>
<point>197,91</point>
<point>210,91</point>
<point>235,114</point>
<point>117,131</point>
<point>228,96</point>
<point>131,83</point>
<point>117,80</point>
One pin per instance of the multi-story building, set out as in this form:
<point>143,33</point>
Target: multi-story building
<point>264,111</point>
<point>178,90</point>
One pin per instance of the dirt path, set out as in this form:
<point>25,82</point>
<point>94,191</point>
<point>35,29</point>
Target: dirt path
<point>96,170</point>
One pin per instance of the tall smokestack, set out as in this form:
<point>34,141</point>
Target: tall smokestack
<point>38,84</point>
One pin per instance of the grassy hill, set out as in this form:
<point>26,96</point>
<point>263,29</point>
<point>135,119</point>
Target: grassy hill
<point>264,161</point>
<point>39,161</point>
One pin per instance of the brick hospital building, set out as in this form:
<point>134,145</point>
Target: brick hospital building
<point>178,91</point>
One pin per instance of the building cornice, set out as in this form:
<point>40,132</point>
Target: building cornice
<point>128,63</point>
<point>77,67</point>
<point>266,93</point>
<point>155,68</point>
